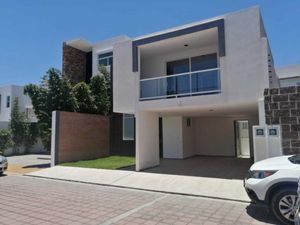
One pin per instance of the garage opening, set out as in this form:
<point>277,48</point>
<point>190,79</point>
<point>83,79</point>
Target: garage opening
<point>205,146</point>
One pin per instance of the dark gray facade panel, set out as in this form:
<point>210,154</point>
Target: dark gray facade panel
<point>217,23</point>
<point>118,146</point>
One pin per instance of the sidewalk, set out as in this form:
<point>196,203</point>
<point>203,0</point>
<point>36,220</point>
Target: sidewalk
<point>188,185</point>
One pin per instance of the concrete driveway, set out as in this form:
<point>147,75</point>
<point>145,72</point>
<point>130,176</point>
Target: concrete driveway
<point>230,168</point>
<point>23,164</point>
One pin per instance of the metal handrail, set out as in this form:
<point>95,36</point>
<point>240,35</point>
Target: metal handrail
<point>180,74</point>
<point>189,92</point>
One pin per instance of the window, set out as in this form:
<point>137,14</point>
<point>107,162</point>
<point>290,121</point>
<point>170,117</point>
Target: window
<point>204,62</point>
<point>200,81</point>
<point>179,66</point>
<point>29,112</point>
<point>105,59</point>
<point>128,127</point>
<point>7,101</point>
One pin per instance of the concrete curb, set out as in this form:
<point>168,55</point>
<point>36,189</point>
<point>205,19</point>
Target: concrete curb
<point>140,189</point>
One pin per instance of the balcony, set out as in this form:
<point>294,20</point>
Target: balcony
<point>200,82</point>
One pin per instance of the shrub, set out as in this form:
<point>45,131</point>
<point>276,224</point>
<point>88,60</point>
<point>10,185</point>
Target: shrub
<point>84,101</point>
<point>5,140</point>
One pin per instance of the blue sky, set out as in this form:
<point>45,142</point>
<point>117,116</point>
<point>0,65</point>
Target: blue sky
<point>32,31</point>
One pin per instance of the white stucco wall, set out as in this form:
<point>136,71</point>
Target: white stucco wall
<point>188,136</point>
<point>147,140</point>
<point>214,136</point>
<point>4,111</point>
<point>23,100</point>
<point>13,91</point>
<point>125,82</point>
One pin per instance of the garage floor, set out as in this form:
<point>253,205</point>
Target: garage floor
<point>201,166</point>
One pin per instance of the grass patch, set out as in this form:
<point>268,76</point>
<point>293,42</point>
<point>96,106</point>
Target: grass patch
<point>111,162</point>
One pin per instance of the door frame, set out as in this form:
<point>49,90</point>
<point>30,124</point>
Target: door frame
<point>235,136</point>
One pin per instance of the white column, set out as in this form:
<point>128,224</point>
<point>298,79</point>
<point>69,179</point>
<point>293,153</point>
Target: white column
<point>54,138</point>
<point>147,140</point>
<point>261,112</point>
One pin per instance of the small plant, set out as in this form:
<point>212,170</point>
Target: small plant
<point>17,126</point>
<point>5,140</point>
<point>30,136</point>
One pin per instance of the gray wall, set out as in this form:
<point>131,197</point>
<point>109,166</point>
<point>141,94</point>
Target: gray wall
<point>282,107</point>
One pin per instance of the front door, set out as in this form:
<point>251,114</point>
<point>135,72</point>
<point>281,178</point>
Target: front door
<point>242,139</point>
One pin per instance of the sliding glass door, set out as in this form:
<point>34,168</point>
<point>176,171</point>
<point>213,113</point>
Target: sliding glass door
<point>178,84</point>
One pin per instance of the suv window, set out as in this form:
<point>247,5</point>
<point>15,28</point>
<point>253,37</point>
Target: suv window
<point>295,159</point>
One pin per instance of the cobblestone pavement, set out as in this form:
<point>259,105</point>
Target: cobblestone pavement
<point>26,200</point>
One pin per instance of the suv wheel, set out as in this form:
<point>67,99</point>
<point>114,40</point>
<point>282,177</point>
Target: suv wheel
<point>283,205</point>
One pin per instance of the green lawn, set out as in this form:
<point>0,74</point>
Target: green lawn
<point>111,162</point>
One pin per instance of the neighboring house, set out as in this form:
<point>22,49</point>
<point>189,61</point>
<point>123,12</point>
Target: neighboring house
<point>288,75</point>
<point>7,96</point>
<point>193,89</point>
<point>80,62</point>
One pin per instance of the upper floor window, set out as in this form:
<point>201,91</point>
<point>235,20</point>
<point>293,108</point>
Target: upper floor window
<point>204,62</point>
<point>7,101</point>
<point>178,66</point>
<point>197,63</point>
<point>105,59</point>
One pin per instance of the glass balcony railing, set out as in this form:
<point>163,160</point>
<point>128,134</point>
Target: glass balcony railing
<point>180,85</point>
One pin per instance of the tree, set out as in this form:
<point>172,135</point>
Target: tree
<point>30,136</point>
<point>5,140</point>
<point>53,93</point>
<point>17,126</point>
<point>84,101</point>
<point>56,93</point>
<point>100,86</point>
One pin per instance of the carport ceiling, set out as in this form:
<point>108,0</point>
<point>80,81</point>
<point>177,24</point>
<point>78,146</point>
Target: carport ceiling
<point>199,39</point>
<point>244,109</point>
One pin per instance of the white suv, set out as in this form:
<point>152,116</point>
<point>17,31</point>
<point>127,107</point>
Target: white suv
<point>3,164</point>
<point>274,182</point>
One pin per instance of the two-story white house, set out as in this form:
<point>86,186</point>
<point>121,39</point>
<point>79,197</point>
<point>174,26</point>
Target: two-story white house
<point>7,96</point>
<point>288,75</point>
<point>193,89</point>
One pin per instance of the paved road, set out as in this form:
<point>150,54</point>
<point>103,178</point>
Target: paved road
<point>27,200</point>
<point>22,164</point>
